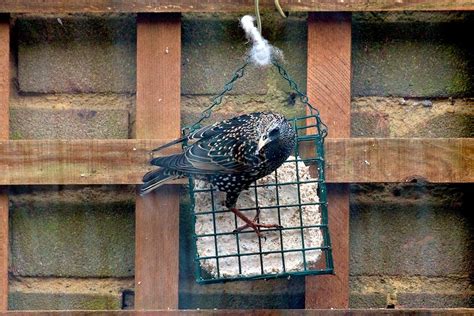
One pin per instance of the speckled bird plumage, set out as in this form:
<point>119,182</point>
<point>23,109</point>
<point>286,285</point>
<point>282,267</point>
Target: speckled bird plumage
<point>230,154</point>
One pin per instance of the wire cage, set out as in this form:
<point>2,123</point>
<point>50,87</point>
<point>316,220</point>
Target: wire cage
<point>294,197</point>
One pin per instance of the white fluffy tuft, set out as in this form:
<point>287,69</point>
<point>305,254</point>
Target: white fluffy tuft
<point>261,51</point>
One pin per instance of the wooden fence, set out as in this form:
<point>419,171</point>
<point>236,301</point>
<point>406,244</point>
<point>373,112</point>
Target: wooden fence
<point>27,162</point>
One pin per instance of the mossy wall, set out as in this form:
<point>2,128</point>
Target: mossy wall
<point>72,247</point>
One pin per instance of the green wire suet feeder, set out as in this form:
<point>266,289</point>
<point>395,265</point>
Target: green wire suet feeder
<point>294,196</point>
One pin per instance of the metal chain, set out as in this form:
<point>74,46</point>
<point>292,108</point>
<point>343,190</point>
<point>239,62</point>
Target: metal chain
<point>322,128</point>
<point>239,73</point>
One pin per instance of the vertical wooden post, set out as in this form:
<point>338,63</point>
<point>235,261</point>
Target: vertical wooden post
<point>329,89</point>
<point>4,131</point>
<point>158,116</point>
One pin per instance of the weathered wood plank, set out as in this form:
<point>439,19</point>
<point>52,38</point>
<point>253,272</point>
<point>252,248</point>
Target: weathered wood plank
<point>158,115</point>
<point>74,162</point>
<point>329,87</point>
<point>263,312</point>
<point>4,246</point>
<point>441,160</point>
<point>114,161</point>
<point>4,131</point>
<point>61,6</point>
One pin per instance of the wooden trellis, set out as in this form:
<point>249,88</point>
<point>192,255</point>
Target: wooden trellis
<point>24,162</point>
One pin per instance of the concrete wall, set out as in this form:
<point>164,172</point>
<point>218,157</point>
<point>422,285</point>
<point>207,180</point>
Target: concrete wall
<point>72,247</point>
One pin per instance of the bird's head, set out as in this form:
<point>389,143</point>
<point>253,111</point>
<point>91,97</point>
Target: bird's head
<point>275,129</point>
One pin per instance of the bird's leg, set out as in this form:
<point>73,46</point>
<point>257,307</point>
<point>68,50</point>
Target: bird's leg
<point>248,222</point>
<point>254,224</point>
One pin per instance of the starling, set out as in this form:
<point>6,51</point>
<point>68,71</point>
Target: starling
<point>231,155</point>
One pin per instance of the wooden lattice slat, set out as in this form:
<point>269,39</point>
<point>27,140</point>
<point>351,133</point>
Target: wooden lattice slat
<point>61,6</point>
<point>158,115</point>
<point>4,131</point>
<point>261,312</point>
<point>329,86</point>
<point>357,160</point>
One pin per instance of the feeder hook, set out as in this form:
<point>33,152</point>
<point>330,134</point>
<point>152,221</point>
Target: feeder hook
<point>257,13</point>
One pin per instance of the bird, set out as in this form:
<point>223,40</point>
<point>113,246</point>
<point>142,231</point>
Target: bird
<point>230,155</point>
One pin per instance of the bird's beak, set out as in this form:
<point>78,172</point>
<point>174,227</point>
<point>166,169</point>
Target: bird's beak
<point>262,142</point>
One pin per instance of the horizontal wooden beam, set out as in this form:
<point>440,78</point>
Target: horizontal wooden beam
<point>437,160</point>
<point>100,6</point>
<point>75,161</point>
<point>356,160</point>
<point>263,312</point>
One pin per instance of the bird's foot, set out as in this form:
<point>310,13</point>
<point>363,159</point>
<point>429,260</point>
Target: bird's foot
<point>254,224</point>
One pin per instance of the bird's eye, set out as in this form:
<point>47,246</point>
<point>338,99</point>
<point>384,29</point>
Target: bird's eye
<point>274,132</point>
<point>264,137</point>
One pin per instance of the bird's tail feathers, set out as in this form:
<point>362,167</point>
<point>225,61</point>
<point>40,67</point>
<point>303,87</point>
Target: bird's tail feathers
<point>156,178</point>
<point>174,142</point>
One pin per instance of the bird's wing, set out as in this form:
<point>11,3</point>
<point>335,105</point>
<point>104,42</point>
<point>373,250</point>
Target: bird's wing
<point>211,130</point>
<point>223,127</point>
<point>219,148</point>
<point>219,154</point>
<point>180,163</point>
<point>228,146</point>
<point>224,153</point>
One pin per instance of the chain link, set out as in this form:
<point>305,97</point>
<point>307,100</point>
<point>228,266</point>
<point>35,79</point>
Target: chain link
<point>239,73</point>
<point>322,128</point>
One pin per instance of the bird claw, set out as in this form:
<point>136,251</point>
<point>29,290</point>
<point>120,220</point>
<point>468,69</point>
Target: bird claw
<point>254,224</point>
<point>241,228</point>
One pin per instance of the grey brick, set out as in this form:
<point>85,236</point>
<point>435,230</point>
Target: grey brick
<point>410,291</point>
<point>192,107</point>
<point>33,123</point>
<point>419,59</point>
<point>290,37</point>
<point>411,229</point>
<point>213,48</point>
<point>369,124</point>
<point>411,17</point>
<point>367,300</point>
<point>72,231</point>
<point>438,300</point>
<point>400,117</point>
<point>62,301</point>
<point>78,54</point>
<point>448,125</point>
<point>67,293</point>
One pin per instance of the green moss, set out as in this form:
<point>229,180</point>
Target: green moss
<point>101,303</point>
<point>62,301</point>
<point>16,135</point>
<point>68,239</point>
<point>461,81</point>
<point>415,59</point>
<point>448,125</point>
<point>112,28</point>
